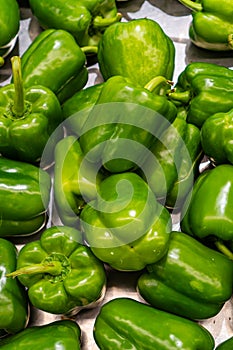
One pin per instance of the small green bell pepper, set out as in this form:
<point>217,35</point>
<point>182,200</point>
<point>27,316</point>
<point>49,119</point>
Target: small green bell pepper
<point>75,181</point>
<point>125,226</point>
<point>207,211</point>
<point>24,198</point>
<point>191,280</point>
<point>211,26</point>
<point>226,345</point>
<point>206,89</point>
<point>61,334</point>
<point>85,20</point>
<point>61,274</point>
<point>14,306</point>
<point>138,49</point>
<point>9,24</point>
<point>173,165</point>
<point>27,118</point>
<point>55,60</point>
<point>124,323</point>
<point>217,136</point>
<point>124,123</point>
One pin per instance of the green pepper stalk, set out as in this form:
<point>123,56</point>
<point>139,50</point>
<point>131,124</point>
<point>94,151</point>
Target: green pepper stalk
<point>1,61</point>
<point>52,268</point>
<point>18,107</point>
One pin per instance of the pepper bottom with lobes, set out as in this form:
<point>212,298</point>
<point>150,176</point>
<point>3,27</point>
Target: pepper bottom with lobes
<point>124,323</point>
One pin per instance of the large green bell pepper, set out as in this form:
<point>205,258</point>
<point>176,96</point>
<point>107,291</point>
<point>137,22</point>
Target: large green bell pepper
<point>124,123</point>
<point>206,89</point>
<point>138,49</point>
<point>75,181</point>
<point>124,323</point>
<point>55,60</point>
<point>24,198</point>
<point>27,118</point>
<point>85,20</point>
<point>217,136</point>
<point>61,334</point>
<point>14,306</point>
<point>9,24</point>
<point>226,345</point>
<point>191,280</point>
<point>208,209</point>
<point>211,26</point>
<point>61,274</point>
<point>125,226</point>
<point>173,165</point>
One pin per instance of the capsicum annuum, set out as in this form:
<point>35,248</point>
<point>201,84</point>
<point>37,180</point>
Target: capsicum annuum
<point>125,226</point>
<point>24,198</point>
<point>124,323</point>
<point>61,274</point>
<point>211,27</point>
<point>191,280</point>
<point>28,117</point>
<point>86,21</point>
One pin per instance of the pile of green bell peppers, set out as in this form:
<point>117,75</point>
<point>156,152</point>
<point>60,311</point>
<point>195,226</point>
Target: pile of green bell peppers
<point>131,154</point>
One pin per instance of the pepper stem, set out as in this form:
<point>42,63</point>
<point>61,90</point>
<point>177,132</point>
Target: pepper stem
<point>183,96</point>
<point>89,49</point>
<point>1,61</point>
<point>100,22</point>
<point>158,82</point>
<point>230,41</point>
<point>223,249</point>
<point>195,6</point>
<point>53,268</point>
<point>18,107</point>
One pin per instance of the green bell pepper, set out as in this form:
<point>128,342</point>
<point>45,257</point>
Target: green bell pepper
<point>24,198</point>
<point>217,136</point>
<point>55,60</point>
<point>124,323</point>
<point>9,24</point>
<point>85,20</point>
<point>191,280</point>
<point>226,345</point>
<point>138,49</point>
<point>211,26</point>
<point>124,123</point>
<point>61,274</point>
<point>206,89</point>
<point>173,165</point>
<point>75,181</point>
<point>61,334</point>
<point>125,226</point>
<point>207,211</point>
<point>14,306</point>
<point>27,118</point>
